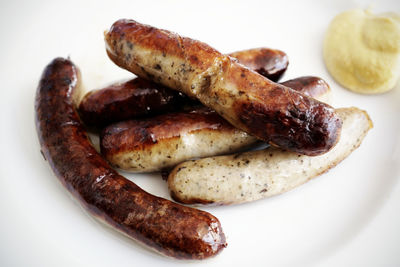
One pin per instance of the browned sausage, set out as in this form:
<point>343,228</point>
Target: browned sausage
<point>151,144</point>
<point>308,85</point>
<point>249,101</point>
<point>160,142</point>
<point>270,63</point>
<point>126,100</point>
<point>139,97</point>
<point>169,228</point>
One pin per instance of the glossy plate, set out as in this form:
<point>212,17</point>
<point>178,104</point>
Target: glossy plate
<point>347,217</point>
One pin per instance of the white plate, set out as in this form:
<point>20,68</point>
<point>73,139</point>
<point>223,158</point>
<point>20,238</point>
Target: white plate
<point>349,216</point>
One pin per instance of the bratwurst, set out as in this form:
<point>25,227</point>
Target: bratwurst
<point>139,97</point>
<point>254,175</point>
<point>153,144</point>
<point>169,228</point>
<point>269,111</point>
<point>121,101</point>
<point>270,63</point>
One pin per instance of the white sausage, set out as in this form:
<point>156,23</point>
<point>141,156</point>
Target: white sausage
<point>259,174</point>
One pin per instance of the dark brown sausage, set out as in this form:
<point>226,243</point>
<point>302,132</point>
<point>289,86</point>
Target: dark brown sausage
<point>271,112</point>
<point>308,85</point>
<point>270,63</point>
<point>139,97</point>
<point>171,229</point>
<point>125,100</point>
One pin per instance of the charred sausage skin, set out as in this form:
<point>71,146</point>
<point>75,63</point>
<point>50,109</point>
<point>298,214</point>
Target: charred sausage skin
<point>271,112</point>
<point>153,144</point>
<point>139,97</point>
<point>169,228</point>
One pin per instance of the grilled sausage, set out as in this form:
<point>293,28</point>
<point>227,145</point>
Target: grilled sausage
<point>139,97</point>
<point>126,100</point>
<point>271,112</point>
<point>162,142</point>
<point>311,86</point>
<point>259,174</point>
<point>270,63</point>
<point>169,228</point>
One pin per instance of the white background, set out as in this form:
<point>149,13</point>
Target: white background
<point>347,217</point>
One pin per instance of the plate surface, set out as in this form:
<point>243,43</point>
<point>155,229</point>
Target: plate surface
<point>347,217</point>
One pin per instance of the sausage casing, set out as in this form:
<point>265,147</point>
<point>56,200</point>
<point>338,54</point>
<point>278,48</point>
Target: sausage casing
<point>161,142</point>
<point>126,100</point>
<point>140,97</point>
<point>170,228</point>
<point>270,63</point>
<point>253,175</point>
<point>249,101</point>
<point>153,144</point>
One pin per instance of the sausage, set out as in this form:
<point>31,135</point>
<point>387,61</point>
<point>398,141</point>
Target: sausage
<point>153,144</point>
<point>139,97</point>
<point>269,111</point>
<point>125,100</point>
<point>259,174</point>
<point>161,142</point>
<point>311,86</point>
<point>167,227</point>
<point>271,63</point>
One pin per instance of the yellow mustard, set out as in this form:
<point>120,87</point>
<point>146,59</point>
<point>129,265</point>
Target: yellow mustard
<point>362,50</point>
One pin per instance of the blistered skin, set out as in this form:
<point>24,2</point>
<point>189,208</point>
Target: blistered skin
<point>132,99</point>
<point>161,142</point>
<point>269,111</point>
<point>139,97</point>
<point>271,63</point>
<point>169,228</point>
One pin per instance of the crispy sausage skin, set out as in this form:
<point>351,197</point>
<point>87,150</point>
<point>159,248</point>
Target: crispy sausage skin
<point>249,101</point>
<point>169,228</point>
<point>271,63</point>
<point>126,100</point>
<point>139,97</point>
<point>160,142</point>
